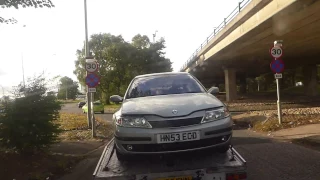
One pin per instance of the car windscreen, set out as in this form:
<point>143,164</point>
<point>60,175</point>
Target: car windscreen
<point>163,85</point>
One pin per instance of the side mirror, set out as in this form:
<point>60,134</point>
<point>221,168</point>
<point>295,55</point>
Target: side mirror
<point>116,98</point>
<point>214,90</point>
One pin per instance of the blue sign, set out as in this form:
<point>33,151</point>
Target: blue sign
<point>92,80</point>
<point>277,66</point>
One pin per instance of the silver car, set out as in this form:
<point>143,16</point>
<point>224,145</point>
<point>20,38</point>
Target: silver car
<point>167,113</point>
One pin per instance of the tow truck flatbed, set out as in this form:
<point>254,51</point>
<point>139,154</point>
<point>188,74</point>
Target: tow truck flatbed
<point>193,166</point>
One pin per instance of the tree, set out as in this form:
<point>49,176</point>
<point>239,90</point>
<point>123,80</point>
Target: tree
<point>23,3</point>
<point>68,89</point>
<point>141,42</point>
<point>120,61</point>
<point>28,122</point>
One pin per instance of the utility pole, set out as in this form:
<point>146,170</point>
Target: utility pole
<point>66,92</point>
<point>87,50</point>
<point>90,114</point>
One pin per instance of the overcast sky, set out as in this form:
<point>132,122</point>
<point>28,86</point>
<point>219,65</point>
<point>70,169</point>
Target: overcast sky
<point>51,37</point>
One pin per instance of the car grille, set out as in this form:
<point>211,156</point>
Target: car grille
<point>176,146</point>
<point>175,123</point>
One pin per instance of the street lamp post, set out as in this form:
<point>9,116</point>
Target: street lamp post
<point>2,90</point>
<point>154,35</point>
<point>22,64</point>
<point>90,114</point>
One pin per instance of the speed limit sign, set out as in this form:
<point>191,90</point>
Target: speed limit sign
<point>91,67</point>
<point>276,52</point>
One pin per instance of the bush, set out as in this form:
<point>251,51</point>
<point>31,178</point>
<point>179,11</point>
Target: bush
<point>27,124</point>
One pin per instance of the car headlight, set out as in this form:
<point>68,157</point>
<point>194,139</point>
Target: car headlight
<point>215,114</point>
<point>139,122</point>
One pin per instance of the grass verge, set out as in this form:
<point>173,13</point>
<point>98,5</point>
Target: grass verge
<point>111,108</point>
<point>69,101</point>
<point>288,121</point>
<point>75,128</point>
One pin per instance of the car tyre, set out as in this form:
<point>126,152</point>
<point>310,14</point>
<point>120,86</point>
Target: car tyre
<point>121,157</point>
<point>224,148</point>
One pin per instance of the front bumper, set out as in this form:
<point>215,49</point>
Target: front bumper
<point>144,141</point>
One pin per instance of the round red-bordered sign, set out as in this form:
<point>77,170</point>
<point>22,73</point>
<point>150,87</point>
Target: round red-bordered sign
<point>92,67</point>
<point>92,80</point>
<point>276,51</point>
<point>277,66</point>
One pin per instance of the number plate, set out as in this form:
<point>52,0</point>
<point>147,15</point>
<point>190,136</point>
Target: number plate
<point>178,137</point>
<point>177,178</point>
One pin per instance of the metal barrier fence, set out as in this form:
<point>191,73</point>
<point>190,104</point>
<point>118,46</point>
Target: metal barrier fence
<point>216,31</point>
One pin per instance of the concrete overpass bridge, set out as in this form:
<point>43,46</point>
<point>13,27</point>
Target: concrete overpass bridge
<point>239,47</point>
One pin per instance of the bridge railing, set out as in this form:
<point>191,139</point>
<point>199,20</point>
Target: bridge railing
<point>215,32</point>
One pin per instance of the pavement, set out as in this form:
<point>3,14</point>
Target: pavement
<point>267,158</point>
<point>76,148</point>
<point>298,132</point>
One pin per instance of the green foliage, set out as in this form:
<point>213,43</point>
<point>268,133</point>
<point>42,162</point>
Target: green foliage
<point>68,89</point>
<point>120,61</point>
<point>27,124</point>
<point>23,3</point>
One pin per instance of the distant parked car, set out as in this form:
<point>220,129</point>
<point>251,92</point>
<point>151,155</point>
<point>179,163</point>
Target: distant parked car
<point>97,107</point>
<point>81,104</point>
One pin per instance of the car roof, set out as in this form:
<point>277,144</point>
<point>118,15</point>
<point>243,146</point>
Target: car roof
<point>161,74</point>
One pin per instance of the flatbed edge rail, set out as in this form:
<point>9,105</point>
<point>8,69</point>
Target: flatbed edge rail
<point>109,150</point>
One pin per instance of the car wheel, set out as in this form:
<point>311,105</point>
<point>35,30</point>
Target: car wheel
<point>121,157</point>
<point>224,148</point>
<point>102,112</point>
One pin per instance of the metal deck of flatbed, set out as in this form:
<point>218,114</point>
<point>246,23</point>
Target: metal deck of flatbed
<point>109,167</point>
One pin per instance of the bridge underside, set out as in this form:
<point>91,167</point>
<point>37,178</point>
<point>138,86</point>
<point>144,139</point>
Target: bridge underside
<point>298,26</point>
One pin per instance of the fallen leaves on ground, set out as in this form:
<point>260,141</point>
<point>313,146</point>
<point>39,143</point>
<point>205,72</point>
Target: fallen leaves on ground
<point>288,121</point>
<point>297,111</point>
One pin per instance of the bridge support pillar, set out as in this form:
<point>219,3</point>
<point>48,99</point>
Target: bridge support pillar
<point>230,84</point>
<point>243,83</point>
<point>310,80</point>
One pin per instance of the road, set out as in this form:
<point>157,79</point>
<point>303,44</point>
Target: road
<point>73,108</point>
<point>266,158</point>
<point>270,159</point>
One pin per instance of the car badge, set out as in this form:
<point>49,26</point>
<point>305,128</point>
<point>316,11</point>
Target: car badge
<point>174,111</point>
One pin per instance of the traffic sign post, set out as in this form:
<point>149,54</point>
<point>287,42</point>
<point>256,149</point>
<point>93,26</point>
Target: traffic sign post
<point>277,66</point>
<point>278,76</point>
<point>92,90</point>
<point>92,80</point>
